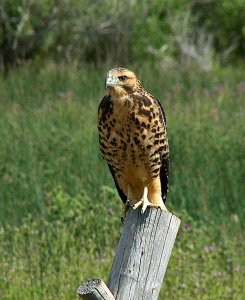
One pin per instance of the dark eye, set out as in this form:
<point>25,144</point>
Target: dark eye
<point>122,78</point>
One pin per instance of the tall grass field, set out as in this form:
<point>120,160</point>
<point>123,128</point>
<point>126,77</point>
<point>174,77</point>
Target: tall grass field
<point>59,209</point>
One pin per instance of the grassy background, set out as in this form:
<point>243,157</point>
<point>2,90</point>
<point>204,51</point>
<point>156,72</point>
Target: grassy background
<point>59,211</point>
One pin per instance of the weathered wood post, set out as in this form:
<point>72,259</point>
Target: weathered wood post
<point>141,258</point>
<point>95,289</point>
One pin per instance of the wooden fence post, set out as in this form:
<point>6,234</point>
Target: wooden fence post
<point>95,289</point>
<point>142,256</point>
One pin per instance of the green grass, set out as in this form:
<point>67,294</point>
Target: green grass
<point>59,211</point>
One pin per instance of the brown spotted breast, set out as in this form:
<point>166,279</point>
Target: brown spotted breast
<point>133,138</point>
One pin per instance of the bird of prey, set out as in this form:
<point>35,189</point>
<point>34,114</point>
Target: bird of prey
<point>133,140</point>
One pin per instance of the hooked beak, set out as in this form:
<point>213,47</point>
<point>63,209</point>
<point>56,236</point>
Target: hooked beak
<point>110,81</point>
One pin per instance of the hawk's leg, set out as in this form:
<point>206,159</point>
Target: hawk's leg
<point>125,210</point>
<point>162,205</point>
<point>155,193</point>
<point>144,202</point>
<point>157,200</point>
<point>127,203</point>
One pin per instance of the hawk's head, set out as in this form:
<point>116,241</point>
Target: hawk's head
<point>121,81</point>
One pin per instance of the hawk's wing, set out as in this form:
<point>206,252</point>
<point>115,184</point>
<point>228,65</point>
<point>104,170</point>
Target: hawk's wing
<point>104,108</point>
<point>164,170</point>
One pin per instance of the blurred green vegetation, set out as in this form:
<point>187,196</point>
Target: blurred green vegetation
<point>48,259</point>
<point>59,210</point>
<point>120,31</point>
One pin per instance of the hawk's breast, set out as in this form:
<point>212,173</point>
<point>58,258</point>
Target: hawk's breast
<point>132,136</point>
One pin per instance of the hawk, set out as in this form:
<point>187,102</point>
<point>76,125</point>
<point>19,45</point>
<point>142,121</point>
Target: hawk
<point>133,140</point>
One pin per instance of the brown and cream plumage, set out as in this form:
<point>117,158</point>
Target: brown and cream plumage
<point>133,140</point>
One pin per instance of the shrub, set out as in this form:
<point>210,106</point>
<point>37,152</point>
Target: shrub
<point>118,32</point>
<point>225,20</point>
